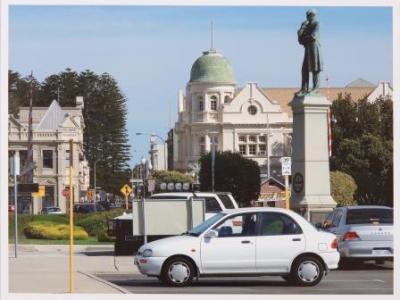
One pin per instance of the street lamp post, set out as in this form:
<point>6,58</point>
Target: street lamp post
<point>164,145</point>
<point>144,198</point>
<point>94,183</point>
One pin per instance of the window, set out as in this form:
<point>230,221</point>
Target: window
<point>242,149</point>
<point>278,224</point>
<point>227,99</point>
<point>252,149</point>
<point>201,105</point>
<point>242,138</point>
<point>226,201</point>
<point>262,150</point>
<point>261,138</point>
<point>238,225</point>
<point>202,139</point>
<point>337,218</point>
<point>213,104</point>
<point>252,110</point>
<point>212,205</point>
<point>252,138</point>
<point>67,156</point>
<point>48,159</point>
<point>370,216</point>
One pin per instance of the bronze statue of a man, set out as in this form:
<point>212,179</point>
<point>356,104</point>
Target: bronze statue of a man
<point>308,36</point>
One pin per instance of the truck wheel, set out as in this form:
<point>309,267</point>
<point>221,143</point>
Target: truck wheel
<point>178,272</point>
<point>307,271</point>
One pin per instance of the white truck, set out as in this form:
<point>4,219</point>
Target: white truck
<point>165,214</point>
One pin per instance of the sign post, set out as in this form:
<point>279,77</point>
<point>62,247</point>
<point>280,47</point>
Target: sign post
<point>126,190</point>
<point>286,172</point>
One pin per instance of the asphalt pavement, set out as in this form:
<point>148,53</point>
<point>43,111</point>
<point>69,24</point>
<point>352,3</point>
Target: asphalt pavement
<point>365,278</point>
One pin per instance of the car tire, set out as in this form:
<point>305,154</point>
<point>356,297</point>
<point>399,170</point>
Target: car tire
<point>307,271</point>
<point>178,272</point>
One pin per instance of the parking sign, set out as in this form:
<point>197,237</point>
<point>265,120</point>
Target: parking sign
<point>286,166</point>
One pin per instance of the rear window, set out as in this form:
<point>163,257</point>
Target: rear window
<point>226,201</point>
<point>369,216</point>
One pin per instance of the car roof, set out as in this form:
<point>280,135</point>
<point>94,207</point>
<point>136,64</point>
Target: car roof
<point>187,194</point>
<point>366,206</point>
<point>256,209</point>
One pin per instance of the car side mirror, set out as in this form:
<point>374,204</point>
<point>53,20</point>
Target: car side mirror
<point>211,234</point>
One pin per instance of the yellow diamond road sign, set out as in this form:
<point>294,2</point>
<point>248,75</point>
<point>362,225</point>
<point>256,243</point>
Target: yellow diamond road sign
<point>126,190</point>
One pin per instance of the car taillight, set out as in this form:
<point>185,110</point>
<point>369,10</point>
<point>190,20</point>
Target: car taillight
<point>350,236</point>
<point>334,244</point>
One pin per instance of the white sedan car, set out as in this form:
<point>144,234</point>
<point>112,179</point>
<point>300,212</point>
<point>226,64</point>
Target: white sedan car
<point>247,242</point>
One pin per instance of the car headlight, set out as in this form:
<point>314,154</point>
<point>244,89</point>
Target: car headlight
<point>147,253</point>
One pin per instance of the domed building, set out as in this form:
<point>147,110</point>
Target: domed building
<point>241,120</point>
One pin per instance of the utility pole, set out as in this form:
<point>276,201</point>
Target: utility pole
<point>267,141</point>
<point>71,218</point>
<point>16,170</point>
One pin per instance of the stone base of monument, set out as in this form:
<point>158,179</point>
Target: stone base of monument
<point>311,191</point>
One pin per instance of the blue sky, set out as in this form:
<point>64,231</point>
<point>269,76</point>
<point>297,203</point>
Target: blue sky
<point>150,50</point>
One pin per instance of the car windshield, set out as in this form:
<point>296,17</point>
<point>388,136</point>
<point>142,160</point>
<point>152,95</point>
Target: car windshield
<point>370,216</point>
<point>226,201</point>
<point>199,229</point>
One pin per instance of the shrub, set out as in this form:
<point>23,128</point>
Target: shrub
<point>343,188</point>
<point>94,223</point>
<point>103,237</point>
<point>52,231</point>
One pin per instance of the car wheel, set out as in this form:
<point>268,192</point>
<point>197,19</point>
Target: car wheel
<point>307,271</point>
<point>178,272</point>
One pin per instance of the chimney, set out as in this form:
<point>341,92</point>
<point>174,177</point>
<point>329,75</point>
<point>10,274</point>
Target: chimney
<point>79,102</point>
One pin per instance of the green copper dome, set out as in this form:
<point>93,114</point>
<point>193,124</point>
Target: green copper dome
<point>212,66</point>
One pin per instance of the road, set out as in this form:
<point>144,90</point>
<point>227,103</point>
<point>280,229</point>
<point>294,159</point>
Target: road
<point>366,278</point>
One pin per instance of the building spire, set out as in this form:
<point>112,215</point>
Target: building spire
<point>212,35</point>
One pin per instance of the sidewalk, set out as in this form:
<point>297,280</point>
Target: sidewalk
<point>45,269</point>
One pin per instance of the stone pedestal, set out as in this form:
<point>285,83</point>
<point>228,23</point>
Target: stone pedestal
<point>311,191</point>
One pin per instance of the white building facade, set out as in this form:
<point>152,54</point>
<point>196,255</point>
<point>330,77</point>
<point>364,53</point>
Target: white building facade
<point>244,121</point>
<point>53,128</point>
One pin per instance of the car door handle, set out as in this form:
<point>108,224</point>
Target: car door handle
<point>245,242</point>
<point>296,239</point>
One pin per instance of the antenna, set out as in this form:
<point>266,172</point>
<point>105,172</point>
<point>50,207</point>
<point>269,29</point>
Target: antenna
<point>212,35</point>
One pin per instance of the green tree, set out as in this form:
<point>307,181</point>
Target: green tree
<point>233,173</point>
<point>343,188</point>
<point>172,176</point>
<point>363,147</point>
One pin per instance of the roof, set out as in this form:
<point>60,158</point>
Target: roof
<point>360,82</point>
<point>53,117</point>
<point>212,66</point>
<point>283,96</point>
<point>366,206</point>
<point>264,180</point>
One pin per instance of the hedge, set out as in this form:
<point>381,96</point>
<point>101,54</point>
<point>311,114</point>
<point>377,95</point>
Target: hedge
<point>52,231</point>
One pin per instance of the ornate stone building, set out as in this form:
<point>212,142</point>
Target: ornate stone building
<point>53,127</point>
<point>242,120</point>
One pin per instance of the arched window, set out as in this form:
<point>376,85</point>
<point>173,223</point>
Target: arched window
<point>213,103</point>
<point>227,99</point>
<point>201,103</point>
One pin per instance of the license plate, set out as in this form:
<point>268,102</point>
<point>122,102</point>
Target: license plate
<point>381,252</point>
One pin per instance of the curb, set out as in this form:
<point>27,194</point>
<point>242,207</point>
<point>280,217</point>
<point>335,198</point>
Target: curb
<point>120,289</point>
